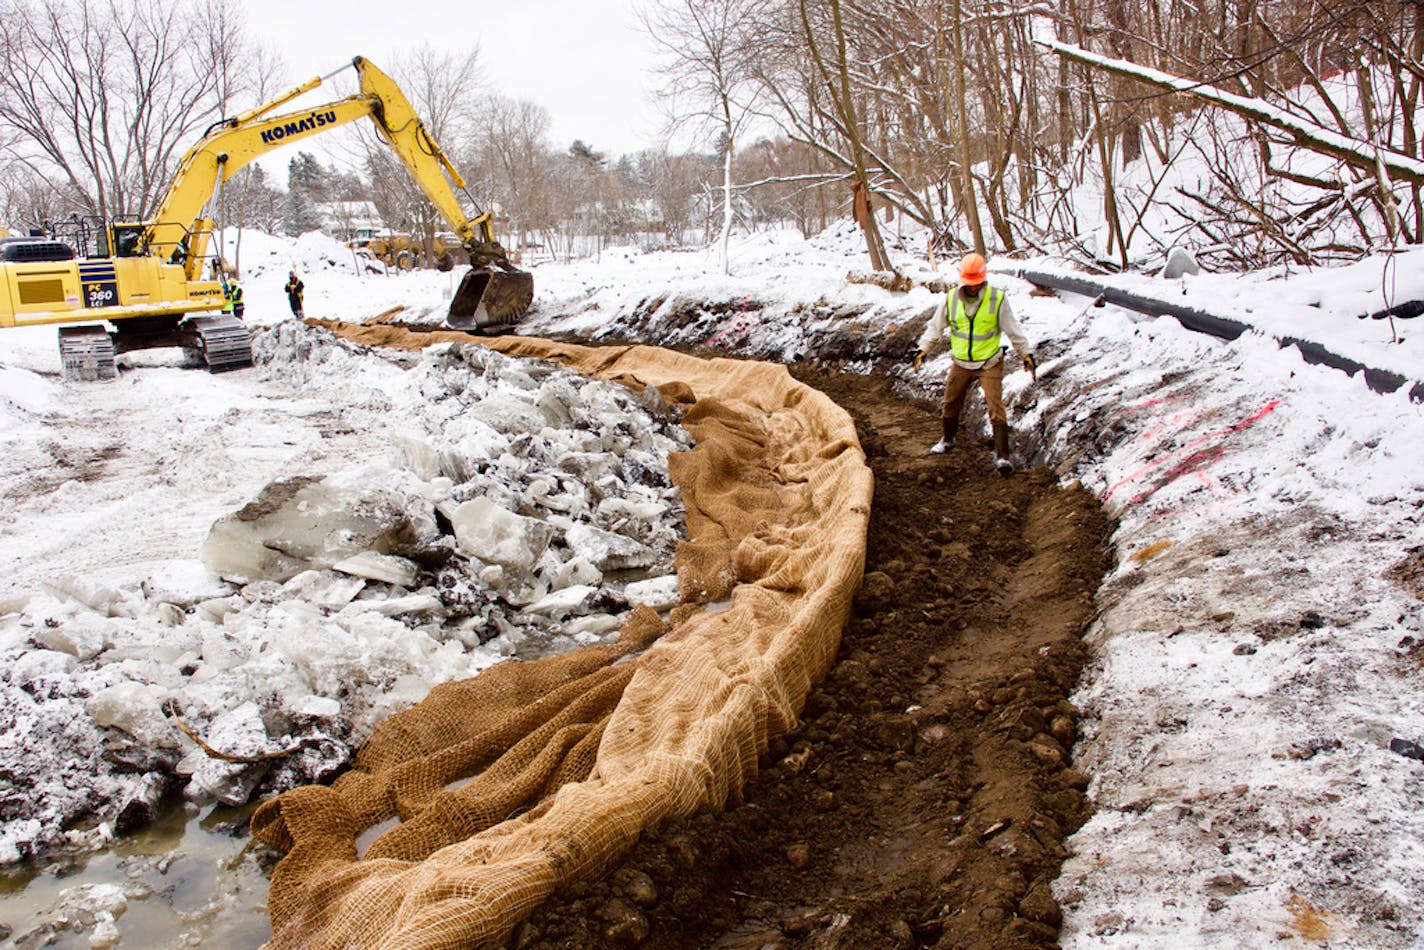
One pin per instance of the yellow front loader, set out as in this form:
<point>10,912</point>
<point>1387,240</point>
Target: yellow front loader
<point>147,278</point>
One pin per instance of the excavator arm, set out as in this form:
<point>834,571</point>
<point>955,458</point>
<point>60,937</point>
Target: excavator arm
<point>494,292</point>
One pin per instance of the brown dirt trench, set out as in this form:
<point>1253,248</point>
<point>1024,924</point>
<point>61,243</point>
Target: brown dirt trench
<point>925,796</point>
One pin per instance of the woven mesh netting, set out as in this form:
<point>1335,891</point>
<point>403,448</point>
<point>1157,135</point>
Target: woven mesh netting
<point>498,790</point>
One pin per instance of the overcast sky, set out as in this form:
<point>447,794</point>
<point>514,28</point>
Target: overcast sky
<point>586,61</point>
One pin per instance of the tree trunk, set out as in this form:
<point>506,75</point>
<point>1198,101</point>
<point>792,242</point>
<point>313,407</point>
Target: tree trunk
<point>725,240</point>
<point>873,243</point>
<point>961,128</point>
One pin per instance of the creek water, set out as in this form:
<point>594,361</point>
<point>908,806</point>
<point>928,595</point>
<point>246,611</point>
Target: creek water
<point>193,878</point>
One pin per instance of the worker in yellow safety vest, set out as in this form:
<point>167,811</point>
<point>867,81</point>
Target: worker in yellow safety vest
<point>976,315</point>
<point>232,291</point>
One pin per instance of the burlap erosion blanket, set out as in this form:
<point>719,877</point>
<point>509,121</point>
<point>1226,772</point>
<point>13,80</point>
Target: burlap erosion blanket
<point>496,791</point>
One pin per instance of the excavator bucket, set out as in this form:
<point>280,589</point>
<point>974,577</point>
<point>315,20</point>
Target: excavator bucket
<point>489,297</point>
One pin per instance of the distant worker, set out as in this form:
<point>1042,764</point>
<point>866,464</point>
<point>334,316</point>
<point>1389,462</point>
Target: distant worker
<point>295,289</point>
<point>975,314</point>
<point>234,297</point>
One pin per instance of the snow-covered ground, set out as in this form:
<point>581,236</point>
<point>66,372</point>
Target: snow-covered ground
<point>1258,646</point>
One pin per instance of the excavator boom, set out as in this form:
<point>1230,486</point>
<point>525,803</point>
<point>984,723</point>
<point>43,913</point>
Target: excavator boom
<point>147,279</point>
<point>494,292</point>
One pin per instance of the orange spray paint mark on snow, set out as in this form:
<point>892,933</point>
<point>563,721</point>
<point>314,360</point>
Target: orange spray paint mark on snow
<point>1311,923</point>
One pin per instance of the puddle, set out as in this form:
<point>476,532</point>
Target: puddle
<point>187,881</point>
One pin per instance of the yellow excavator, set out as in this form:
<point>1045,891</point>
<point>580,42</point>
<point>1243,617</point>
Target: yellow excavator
<point>146,277</point>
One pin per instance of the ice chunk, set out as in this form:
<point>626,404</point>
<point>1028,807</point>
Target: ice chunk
<point>325,589</point>
<point>419,456</point>
<point>492,576</point>
<point>14,604</point>
<point>92,907</point>
<point>34,665</point>
<point>219,607</point>
<point>597,625</point>
<point>659,593</point>
<point>236,732</point>
<point>589,466</point>
<point>578,570</point>
<point>220,651</point>
<point>407,690</point>
<point>607,550</point>
<point>578,599</point>
<point>136,708</point>
<point>492,534</point>
<point>184,582</point>
<point>318,707</point>
<point>396,606</point>
<point>379,567</point>
<point>82,637</point>
<point>508,411</point>
<point>555,399</point>
<point>470,443</point>
<point>91,594</point>
<point>624,508</point>
<point>299,524</point>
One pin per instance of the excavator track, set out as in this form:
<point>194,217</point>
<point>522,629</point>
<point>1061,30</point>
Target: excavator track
<point>86,354</point>
<point>224,342</point>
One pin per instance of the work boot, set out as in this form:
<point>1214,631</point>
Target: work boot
<point>946,442</point>
<point>1001,449</point>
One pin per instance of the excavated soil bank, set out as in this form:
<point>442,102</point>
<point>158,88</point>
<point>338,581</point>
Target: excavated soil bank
<point>924,798</point>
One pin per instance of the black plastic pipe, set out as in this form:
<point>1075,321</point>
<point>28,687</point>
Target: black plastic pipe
<point>1193,318</point>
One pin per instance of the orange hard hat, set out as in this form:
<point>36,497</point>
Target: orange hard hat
<point>973,270</point>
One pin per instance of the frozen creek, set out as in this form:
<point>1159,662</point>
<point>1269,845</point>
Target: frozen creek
<point>358,528</point>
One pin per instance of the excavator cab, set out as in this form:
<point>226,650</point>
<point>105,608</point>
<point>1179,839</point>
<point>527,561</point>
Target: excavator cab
<point>491,296</point>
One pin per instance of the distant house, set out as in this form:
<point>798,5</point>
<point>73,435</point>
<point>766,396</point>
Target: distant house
<point>341,219</point>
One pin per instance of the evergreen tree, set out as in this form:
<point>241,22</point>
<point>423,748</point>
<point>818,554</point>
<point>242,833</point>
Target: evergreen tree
<point>306,185</point>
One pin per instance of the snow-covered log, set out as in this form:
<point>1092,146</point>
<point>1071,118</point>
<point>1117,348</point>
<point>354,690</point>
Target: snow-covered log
<point>1361,154</point>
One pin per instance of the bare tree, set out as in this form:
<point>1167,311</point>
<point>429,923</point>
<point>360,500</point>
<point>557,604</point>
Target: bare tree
<point>26,199</point>
<point>673,182</point>
<point>709,75</point>
<point>445,89</point>
<point>514,161</point>
<point>107,95</point>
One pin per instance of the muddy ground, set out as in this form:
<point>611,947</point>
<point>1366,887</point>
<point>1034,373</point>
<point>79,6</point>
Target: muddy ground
<point>926,795</point>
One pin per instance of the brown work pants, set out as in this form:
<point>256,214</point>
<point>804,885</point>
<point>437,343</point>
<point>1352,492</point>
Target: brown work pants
<point>989,378</point>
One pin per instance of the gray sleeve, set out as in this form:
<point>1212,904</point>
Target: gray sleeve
<point>934,328</point>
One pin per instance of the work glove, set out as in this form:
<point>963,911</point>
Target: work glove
<point>1031,365</point>
<point>919,358</point>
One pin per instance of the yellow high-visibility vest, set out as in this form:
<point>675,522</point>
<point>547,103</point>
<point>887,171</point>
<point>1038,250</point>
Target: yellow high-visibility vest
<point>974,336</point>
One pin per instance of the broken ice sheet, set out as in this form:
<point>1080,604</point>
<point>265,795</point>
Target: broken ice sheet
<point>379,567</point>
<point>326,589</point>
<point>607,550</point>
<point>301,524</point>
<point>579,599</point>
<point>659,593</point>
<point>494,535</point>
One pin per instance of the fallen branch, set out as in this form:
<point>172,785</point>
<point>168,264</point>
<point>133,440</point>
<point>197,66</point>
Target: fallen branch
<point>893,281</point>
<point>170,709</point>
